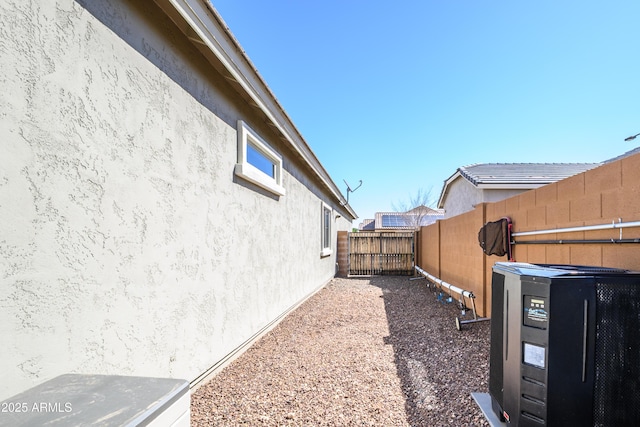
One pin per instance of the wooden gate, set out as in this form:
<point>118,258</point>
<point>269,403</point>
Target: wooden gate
<point>380,253</point>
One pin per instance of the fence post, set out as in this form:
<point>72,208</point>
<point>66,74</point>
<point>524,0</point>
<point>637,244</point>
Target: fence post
<point>417,250</point>
<point>343,254</point>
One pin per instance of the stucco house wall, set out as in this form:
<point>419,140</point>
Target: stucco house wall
<point>128,245</point>
<point>489,195</point>
<point>463,196</point>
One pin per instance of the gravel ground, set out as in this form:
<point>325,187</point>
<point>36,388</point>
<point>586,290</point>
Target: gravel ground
<point>379,351</point>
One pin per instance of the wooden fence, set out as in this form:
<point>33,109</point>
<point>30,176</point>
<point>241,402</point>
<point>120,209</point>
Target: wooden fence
<point>380,253</point>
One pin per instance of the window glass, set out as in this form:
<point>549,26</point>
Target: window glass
<point>326,229</point>
<point>326,239</point>
<point>260,161</point>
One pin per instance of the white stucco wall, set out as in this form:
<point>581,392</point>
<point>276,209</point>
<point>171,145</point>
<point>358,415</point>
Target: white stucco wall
<point>127,245</point>
<point>490,195</point>
<point>461,197</point>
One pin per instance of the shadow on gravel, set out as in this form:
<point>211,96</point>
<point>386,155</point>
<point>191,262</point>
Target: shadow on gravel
<point>438,365</point>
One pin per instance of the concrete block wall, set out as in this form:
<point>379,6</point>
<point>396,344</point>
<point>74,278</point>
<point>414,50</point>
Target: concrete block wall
<point>459,260</point>
<point>603,195</point>
<point>429,255</point>
<point>607,194</point>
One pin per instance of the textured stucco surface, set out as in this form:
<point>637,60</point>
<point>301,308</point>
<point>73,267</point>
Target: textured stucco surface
<point>464,196</point>
<point>127,246</point>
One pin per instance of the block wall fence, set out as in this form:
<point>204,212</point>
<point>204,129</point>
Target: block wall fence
<point>449,249</point>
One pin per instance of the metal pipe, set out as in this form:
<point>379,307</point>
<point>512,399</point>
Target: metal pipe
<point>613,225</point>
<point>441,282</point>
<point>576,242</point>
<point>463,294</point>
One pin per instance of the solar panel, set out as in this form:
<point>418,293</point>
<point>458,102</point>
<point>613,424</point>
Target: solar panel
<point>394,221</point>
<point>408,220</point>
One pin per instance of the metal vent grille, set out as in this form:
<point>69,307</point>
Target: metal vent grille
<point>617,355</point>
<point>496,363</point>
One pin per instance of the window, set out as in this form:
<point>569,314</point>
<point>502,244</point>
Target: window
<point>260,161</point>
<point>257,161</point>
<point>326,230</point>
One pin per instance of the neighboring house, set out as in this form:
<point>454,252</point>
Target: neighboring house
<point>159,209</point>
<point>624,155</point>
<point>492,182</point>
<point>402,221</point>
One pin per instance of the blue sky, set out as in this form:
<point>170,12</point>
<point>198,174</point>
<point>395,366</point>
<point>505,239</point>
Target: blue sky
<point>401,94</point>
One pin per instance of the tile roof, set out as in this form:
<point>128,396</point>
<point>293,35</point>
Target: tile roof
<point>622,156</point>
<point>521,173</point>
<point>521,176</point>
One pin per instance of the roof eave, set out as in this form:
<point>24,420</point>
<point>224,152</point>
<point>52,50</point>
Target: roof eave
<point>204,26</point>
<point>445,188</point>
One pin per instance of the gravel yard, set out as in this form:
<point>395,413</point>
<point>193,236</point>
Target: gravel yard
<point>379,351</point>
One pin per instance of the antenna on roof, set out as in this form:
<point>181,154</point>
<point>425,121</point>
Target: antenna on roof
<point>350,190</point>
<point>632,137</point>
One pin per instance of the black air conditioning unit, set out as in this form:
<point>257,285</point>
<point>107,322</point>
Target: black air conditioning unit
<point>565,345</point>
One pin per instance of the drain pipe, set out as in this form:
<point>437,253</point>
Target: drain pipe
<point>463,294</point>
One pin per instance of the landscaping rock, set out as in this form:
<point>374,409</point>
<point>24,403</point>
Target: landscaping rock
<point>361,352</point>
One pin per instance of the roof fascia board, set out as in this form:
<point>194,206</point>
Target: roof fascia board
<point>453,177</point>
<point>219,40</point>
<point>445,188</point>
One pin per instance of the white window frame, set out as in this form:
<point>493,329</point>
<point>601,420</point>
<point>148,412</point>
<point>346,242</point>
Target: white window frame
<point>324,223</point>
<point>246,170</point>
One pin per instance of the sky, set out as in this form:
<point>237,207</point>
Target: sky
<point>401,94</point>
